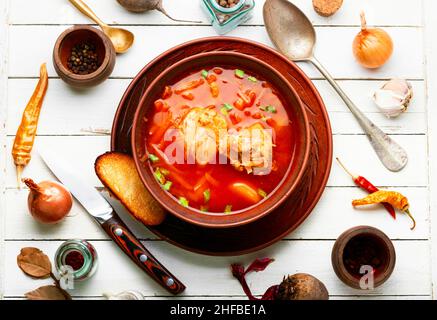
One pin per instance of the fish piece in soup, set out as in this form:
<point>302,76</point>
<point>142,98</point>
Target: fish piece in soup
<point>251,149</point>
<point>202,129</point>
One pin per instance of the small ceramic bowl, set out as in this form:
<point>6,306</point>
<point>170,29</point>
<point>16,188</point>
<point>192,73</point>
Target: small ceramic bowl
<point>79,34</point>
<point>295,108</point>
<point>357,249</point>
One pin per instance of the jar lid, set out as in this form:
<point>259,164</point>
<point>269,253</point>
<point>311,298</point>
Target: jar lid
<point>235,8</point>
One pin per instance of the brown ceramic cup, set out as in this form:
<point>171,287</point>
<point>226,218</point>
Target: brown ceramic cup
<point>105,51</point>
<point>295,109</point>
<point>354,248</point>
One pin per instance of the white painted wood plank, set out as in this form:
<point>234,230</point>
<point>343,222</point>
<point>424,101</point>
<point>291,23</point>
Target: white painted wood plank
<point>355,151</point>
<point>81,150</point>
<point>361,92</point>
<point>69,111</point>
<point>332,215</point>
<point>240,297</point>
<point>116,272</point>
<point>4,7</point>
<point>431,67</point>
<point>379,12</point>
<point>35,43</point>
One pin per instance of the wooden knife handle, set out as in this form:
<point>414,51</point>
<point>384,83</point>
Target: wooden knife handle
<point>125,239</point>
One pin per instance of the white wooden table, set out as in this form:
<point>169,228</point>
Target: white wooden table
<point>28,30</point>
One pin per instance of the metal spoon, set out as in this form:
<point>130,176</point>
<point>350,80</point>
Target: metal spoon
<point>120,38</point>
<point>294,35</point>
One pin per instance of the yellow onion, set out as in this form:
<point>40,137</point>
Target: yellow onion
<point>372,47</point>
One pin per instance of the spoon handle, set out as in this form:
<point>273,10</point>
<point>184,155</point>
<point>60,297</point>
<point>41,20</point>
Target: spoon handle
<point>389,152</point>
<point>83,7</point>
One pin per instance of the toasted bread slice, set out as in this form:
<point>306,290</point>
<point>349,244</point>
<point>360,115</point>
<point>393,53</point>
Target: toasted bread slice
<point>118,173</point>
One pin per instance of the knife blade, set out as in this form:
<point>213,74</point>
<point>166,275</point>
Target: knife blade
<point>105,215</point>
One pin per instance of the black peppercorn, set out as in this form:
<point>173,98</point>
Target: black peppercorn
<point>83,59</point>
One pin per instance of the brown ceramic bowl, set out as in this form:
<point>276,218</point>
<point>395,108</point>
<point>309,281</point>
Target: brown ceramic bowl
<point>355,247</point>
<point>295,110</point>
<point>105,51</point>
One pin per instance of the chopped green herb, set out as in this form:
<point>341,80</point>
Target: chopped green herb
<point>204,208</point>
<point>253,79</point>
<point>153,158</point>
<point>204,73</point>
<point>262,193</point>
<point>228,208</point>
<point>167,185</point>
<point>159,176</point>
<point>207,195</point>
<point>165,172</point>
<point>183,201</point>
<point>224,111</point>
<point>239,73</point>
<point>228,106</point>
<point>270,109</point>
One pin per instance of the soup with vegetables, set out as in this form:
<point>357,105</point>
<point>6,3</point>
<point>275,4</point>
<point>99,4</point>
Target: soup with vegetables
<point>219,139</point>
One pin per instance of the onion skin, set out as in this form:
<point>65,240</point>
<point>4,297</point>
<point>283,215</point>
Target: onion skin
<point>49,202</point>
<point>372,47</point>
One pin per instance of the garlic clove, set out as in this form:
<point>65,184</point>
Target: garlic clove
<point>125,295</point>
<point>393,97</point>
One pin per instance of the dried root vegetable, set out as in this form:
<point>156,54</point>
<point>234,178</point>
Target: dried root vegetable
<point>327,8</point>
<point>25,137</point>
<point>299,286</point>
<point>148,5</point>
<point>396,199</point>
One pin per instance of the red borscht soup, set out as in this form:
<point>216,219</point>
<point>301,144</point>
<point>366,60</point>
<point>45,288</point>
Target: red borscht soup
<point>219,140</point>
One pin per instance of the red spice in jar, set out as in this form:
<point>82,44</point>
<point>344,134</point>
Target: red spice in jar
<point>75,260</point>
<point>365,250</point>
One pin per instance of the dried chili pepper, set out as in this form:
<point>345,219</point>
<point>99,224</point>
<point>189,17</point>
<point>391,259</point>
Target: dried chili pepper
<point>368,186</point>
<point>394,198</point>
<point>24,139</point>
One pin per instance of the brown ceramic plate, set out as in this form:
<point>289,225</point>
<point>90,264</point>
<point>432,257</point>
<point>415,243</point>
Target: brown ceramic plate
<point>273,227</point>
<point>296,113</point>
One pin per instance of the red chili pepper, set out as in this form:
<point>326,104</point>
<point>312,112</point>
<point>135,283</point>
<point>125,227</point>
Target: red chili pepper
<point>369,187</point>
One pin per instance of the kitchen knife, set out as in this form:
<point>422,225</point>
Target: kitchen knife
<point>105,215</point>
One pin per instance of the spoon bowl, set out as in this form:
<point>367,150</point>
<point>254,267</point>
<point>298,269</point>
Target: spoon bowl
<point>121,39</point>
<point>294,35</point>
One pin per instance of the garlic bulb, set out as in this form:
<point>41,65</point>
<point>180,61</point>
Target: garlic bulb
<point>393,97</point>
<point>125,295</point>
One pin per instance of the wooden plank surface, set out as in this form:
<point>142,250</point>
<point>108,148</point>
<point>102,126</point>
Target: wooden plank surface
<point>379,12</point>
<point>332,216</point>
<point>431,67</point>
<point>67,112</point>
<point>116,273</point>
<point>3,112</point>
<point>355,150</point>
<point>340,62</point>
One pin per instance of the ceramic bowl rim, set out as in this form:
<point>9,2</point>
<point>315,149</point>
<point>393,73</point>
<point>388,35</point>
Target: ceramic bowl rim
<point>187,216</point>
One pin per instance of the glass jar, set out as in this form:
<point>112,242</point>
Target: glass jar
<point>226,19</point>
<point>77,257</point>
